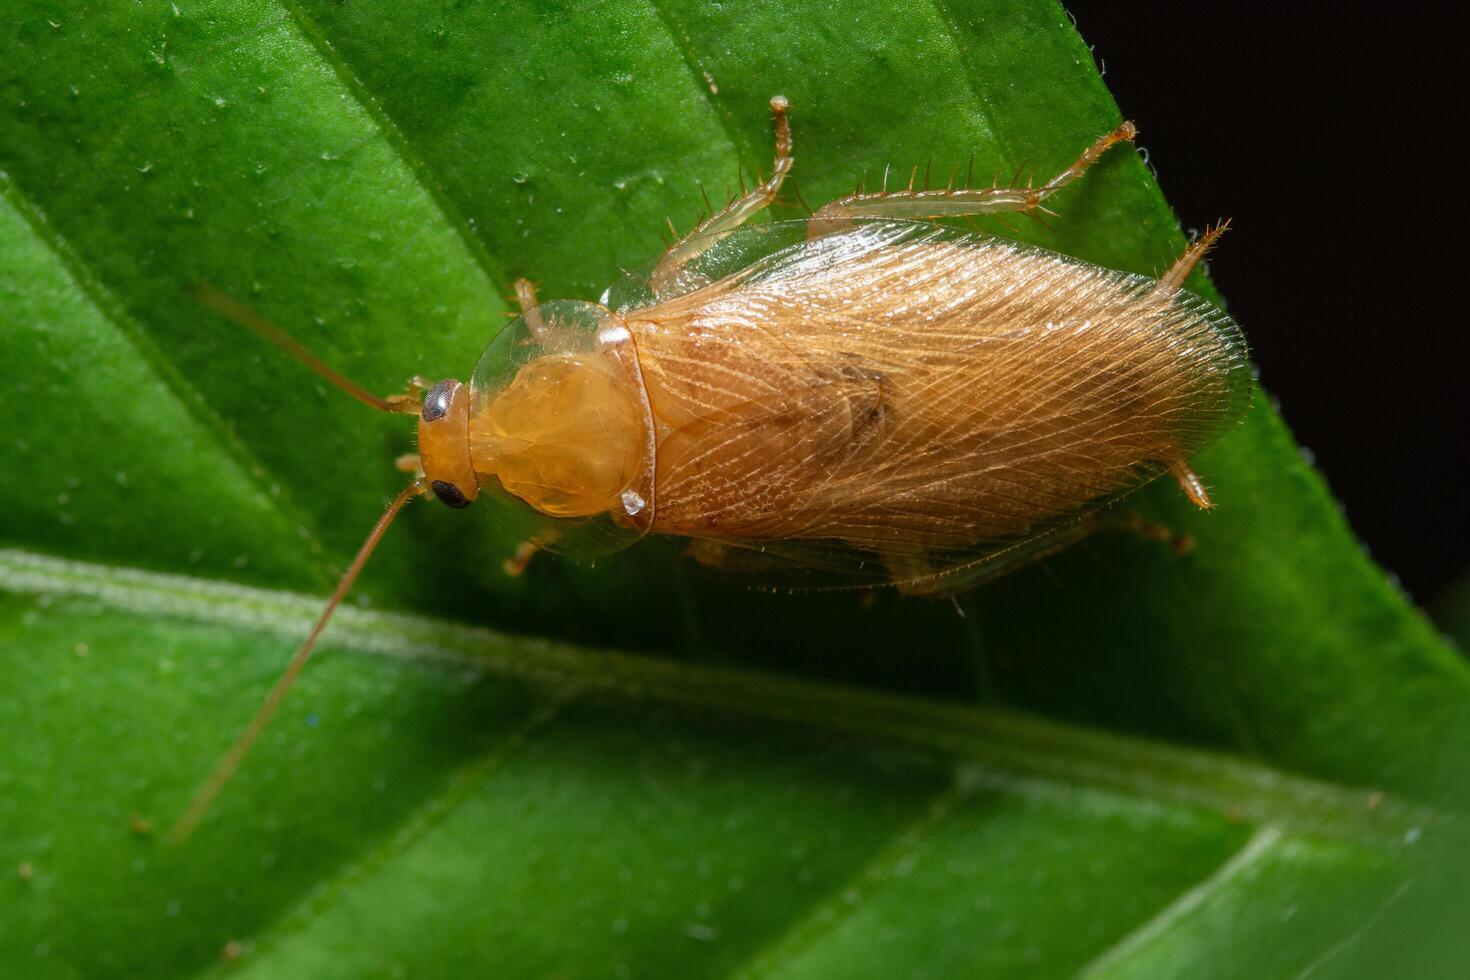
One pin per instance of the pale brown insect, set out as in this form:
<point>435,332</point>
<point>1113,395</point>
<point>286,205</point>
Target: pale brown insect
<point>864,397</point>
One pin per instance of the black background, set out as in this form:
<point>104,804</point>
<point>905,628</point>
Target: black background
<point>1320,130</point>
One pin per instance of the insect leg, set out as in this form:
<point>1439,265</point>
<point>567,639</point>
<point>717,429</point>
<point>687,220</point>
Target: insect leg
<point>526,300</point>
<point>1192,485</point>
<point>913,575</point>
<point>666,275</point>
<point>959,202</point>
<point>515,566</point>
<point>1197,250</point>
<point>525,294</point>
<point>1133,522</point>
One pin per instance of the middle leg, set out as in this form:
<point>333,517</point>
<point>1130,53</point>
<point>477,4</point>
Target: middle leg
<point>959,202</point>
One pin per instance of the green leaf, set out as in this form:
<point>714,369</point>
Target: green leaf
<point>1121,762</point>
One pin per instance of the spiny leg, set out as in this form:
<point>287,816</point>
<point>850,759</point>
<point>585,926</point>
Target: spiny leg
<point>1198,249</point>
<point>1169,283</point>
<point>709,231</point>
<point>958,202</point>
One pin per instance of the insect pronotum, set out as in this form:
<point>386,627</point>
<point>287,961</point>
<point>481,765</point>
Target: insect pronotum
<point>862,397</point>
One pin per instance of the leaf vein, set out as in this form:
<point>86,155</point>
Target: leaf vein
<point>982,101</point>
<point>183,391</point>
<point>702,79</point>
<point>825,916</point>
<point>1260,844</point>
<point>416,824</point>
<point>399,142</point>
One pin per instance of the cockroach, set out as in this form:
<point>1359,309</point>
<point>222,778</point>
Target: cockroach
<point>867,396</point>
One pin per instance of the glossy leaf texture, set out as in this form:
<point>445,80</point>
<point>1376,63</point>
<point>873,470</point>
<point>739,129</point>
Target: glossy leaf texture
<point>1122,762</point>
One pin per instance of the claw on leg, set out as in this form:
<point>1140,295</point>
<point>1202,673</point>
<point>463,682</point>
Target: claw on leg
<point>515,566</point>
<point>1198,249</point>
<point>410,401</point>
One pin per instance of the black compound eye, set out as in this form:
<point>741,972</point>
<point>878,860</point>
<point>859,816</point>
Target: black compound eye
<point>449,493</point>
<point>437,399</point>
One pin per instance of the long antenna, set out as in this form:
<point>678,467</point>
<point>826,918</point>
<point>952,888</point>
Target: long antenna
<point>232,309</point>
<point>227,765</point>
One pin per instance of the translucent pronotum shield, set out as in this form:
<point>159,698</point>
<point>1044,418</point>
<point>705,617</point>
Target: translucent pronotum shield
<point>561,431</point>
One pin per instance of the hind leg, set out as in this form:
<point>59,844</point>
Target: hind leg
<point>1192,485</point>
<point>1170,282</point>
<point>912,575</point>
<point>1198,249</point>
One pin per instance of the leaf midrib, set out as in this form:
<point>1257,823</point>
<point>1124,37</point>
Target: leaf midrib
<point>1024,753</point>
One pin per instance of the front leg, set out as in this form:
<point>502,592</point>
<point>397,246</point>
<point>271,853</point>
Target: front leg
<point>525,297</point>
<point>515,566</point>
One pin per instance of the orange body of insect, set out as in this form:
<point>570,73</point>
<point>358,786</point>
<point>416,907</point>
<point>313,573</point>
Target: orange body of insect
<point>863,397</point>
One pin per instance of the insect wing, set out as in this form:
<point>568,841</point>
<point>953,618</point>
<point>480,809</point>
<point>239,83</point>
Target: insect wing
<point>899,401</point>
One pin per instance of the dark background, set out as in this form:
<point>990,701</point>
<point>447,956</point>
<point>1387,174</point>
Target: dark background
<point>1320,130</point>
